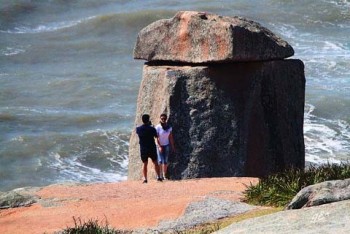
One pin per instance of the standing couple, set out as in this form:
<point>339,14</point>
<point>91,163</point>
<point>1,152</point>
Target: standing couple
<point>155,143</point>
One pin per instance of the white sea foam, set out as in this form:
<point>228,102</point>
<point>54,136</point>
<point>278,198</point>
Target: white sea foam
<point>8,51</point>
<point>46,28</point>
<point>287,30</point>
<point>344,5</point>
<point>18,139</point>
<point>72,169</point>
<point>325,140</point>
<point>111,147</point>
<point>334,48</point>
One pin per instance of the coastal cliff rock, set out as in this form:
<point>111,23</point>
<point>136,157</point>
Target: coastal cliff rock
<point>197,37</point>
<point>230,117</point>
<point>321,193</point>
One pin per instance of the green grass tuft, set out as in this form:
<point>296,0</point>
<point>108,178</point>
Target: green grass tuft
<point>91,227</point>
<point>279,189</point>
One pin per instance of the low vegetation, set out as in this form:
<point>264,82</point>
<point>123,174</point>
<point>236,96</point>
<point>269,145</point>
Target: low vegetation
<point>91,227</point>
<point>279,189</point>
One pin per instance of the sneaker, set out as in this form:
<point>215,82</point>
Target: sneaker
<point>144,182</point>
<point>160,179</point>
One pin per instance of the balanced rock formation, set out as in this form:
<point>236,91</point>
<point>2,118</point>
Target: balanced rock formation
<point>230,117</point>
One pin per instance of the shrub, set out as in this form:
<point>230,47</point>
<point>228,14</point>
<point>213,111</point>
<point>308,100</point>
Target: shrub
<point>279,189</point>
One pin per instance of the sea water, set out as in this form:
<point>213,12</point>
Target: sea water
<point>69,83</point>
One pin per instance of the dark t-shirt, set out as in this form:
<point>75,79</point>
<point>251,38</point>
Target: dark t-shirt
<point>146,135</point>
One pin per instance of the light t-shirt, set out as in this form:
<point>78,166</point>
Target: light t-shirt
<point>163,135</point>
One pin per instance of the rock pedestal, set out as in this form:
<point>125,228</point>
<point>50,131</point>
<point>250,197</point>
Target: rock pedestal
<point>229,118</point>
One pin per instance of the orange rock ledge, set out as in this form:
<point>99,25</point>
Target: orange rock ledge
<point>125,205</point>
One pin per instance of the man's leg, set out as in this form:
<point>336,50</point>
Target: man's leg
<point>144,171</point>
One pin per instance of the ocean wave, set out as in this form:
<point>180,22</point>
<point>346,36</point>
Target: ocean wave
<point>329,12</point>
<point>113,23</point>
<point>326,140</point>
<point>313,15</point>
<point>343,5</point>
<point>330,46</point>
<point>132,20</point>
<point>36,121</point>
<point>53,157</point>
<point>286,30</point>
<point>72,170</point>
<point>9,51</point>
<point>43,28</point>
<point>329,66</point>
<point>95,156</point>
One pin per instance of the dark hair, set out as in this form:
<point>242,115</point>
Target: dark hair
<point>165,126</point>
<point>145,119</point>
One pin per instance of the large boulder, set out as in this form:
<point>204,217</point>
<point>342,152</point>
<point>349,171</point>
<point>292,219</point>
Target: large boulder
<point>321,193</point>
<point>237,119</point>
<point>198,37</point>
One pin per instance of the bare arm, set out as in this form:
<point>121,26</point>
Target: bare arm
<point>158,144</point>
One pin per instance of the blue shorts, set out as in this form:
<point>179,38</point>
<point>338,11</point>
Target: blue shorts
<point>163,157</point>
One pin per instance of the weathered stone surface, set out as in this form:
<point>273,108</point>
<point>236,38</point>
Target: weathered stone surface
<point>325,219</point>
<point>197,37</point>
<point>321,193</point>
<point>240,119</point>
<point>208,210</point>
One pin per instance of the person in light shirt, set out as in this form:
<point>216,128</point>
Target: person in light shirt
<point>165,143</point>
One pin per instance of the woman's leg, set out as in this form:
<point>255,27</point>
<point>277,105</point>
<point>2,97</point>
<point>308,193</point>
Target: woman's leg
<point>166,157</point>
<point>160,159</point>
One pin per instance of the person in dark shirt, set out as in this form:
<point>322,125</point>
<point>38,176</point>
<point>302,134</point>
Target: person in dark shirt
<point>147,135</point>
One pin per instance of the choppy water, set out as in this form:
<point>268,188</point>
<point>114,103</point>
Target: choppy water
<point>68,82</point>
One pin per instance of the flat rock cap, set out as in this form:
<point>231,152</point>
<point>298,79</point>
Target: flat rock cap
<point>200,37</point>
